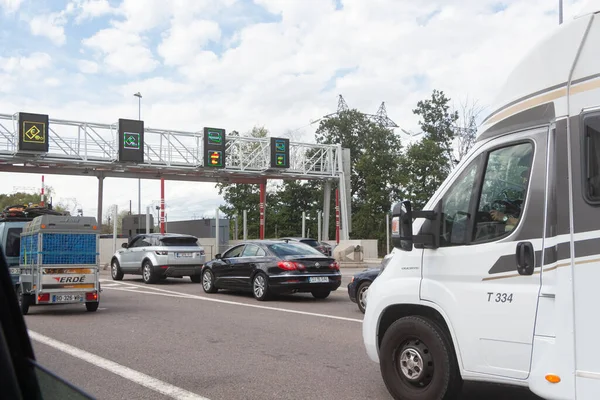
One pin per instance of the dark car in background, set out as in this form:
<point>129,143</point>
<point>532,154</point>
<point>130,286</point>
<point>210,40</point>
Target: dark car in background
<point>268,267</point>
<point>320,246</point>
<point>360,282</point>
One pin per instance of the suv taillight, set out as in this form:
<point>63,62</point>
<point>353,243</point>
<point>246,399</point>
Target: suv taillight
<point>161,253</point>
<point>290,266</point>
<point>335,266</point>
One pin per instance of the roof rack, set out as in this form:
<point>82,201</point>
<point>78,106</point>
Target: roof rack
<point>22,212</point>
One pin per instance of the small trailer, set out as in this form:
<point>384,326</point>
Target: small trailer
<point>59,262</point>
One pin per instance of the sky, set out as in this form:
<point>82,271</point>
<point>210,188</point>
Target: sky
<point>236,64</point>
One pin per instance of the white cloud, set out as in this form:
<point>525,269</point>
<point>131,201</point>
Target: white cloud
<point>279,74</point>
<point>183,41</point>
<point>10,6</point>
<point>89,9</point>
<point>50,26</point>
<point>52,82</point>
<point>122,51</point>
<point>87,67</point>
<point>25,64</point>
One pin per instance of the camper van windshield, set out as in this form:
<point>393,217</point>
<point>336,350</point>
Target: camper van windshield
<point>13,242</point>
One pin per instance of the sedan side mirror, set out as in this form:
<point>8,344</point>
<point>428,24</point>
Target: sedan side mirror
<point>218,256</point>
<point>124,245</point>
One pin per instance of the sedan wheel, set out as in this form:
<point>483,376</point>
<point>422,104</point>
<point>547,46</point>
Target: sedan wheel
<point>260,287</point>
<point>208,281</point>
<point>361,296</point>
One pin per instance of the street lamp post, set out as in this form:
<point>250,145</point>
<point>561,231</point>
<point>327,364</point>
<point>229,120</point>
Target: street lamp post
<point>560,12</point>
<point>139,96</point>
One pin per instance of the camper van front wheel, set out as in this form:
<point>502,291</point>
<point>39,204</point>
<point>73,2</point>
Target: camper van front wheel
<point>418,362</point>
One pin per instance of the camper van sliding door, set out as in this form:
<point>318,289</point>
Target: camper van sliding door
<point>585,153</point>
<point>492,220</point>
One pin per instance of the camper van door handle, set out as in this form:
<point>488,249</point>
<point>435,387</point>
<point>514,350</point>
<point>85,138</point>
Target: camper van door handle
<point>525,258</point>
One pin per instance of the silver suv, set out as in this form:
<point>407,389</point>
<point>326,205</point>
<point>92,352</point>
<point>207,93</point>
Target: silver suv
<point>156,256</point>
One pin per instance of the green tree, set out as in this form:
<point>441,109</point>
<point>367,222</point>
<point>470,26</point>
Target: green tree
<point>438,124</point>
<point>375,154</point>
<point>428,162</point>
<point>109,220</point>
<point>287,204</point>
<point>23,198</point>
<point>240,197</point>
<point>466,130</point>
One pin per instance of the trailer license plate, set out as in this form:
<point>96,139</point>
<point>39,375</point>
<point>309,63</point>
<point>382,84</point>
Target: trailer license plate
<point>318,279</point>
<point>64,298</point>
<point>183,255</point>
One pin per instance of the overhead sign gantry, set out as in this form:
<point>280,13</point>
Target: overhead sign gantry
<point>35,143</point>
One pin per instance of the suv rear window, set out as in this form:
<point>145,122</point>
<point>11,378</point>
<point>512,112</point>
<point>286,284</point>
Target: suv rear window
<point>179,242</point>
<point>293,249</point>
<point>310,242</point>
<point>13,242</point>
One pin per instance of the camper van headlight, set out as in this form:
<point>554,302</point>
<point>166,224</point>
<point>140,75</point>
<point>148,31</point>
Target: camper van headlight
<point>14,271</point>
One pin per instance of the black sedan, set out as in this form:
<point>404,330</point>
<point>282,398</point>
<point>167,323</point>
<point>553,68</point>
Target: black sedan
<point>358,286</point>
<point>268,267</point>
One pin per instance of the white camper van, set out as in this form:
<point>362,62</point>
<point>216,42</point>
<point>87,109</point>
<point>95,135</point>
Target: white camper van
<point>496,279</point>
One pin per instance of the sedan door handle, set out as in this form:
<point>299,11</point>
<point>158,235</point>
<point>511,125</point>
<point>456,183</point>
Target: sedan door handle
<point>525,258</point>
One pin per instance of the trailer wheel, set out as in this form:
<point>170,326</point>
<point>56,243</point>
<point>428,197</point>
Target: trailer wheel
<point>92,305</point>
<point>418,361</point>
<point>24,300</point>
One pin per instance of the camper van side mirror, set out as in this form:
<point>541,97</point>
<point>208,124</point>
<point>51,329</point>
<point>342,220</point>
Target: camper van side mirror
<point>402,236</point>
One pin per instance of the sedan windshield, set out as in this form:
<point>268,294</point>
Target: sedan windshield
<point>293,249</point>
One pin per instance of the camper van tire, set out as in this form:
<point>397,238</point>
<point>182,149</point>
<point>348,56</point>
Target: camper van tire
<point>115,270</point>
<point>418,361</point>
<point>92,306</point>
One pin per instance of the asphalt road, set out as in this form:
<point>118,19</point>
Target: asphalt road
<point>221,346</point>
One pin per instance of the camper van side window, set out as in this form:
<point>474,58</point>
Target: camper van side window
<point>455,208</point>
<point>503,191</point>
<point>592,159</point>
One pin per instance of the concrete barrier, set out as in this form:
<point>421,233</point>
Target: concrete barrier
<point>344,252</point>
<point>106,250</point>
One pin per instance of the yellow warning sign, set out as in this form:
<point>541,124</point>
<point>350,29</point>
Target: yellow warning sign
<point>34,132</point>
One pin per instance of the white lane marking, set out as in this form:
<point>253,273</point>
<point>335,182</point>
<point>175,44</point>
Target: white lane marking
<point>193,296</point>
<point>118,369</point>
<point>181,296</point>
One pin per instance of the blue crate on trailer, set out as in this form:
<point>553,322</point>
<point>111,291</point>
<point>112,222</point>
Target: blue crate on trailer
<point>29,250</point>
<point>68,248</point>
<point>59,240</point>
